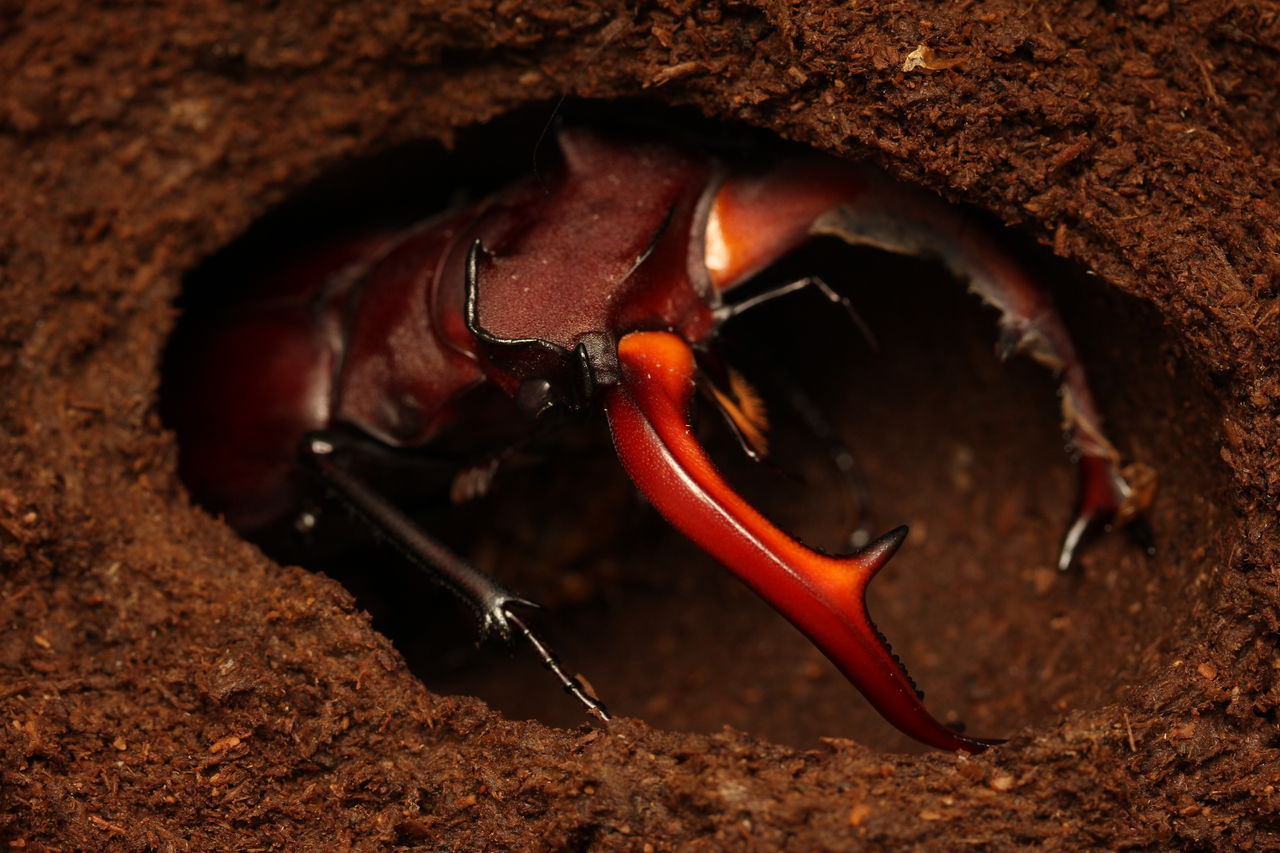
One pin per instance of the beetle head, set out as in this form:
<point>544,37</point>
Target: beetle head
<point>546,375</point>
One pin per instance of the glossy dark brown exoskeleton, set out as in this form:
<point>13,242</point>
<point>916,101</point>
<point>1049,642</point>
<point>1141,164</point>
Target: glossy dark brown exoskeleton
<point>601,282</point>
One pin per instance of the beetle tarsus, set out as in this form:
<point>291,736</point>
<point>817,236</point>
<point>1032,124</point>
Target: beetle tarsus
<point>1103,497</point>
<point>551,661</point>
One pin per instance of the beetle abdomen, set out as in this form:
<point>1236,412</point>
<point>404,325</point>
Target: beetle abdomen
<point>252,392</point>
<point>246,381</point>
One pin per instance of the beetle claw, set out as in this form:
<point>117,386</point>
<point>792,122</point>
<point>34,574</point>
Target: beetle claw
<point>496,618</point>
<point>823,596</point>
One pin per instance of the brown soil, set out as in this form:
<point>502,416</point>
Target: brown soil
<point>163,686</point>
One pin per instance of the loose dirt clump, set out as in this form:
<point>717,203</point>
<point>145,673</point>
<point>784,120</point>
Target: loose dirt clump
<point>165,686</point>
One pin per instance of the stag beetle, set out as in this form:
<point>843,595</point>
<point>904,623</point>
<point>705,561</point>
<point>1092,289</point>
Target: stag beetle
<point>599,283</point>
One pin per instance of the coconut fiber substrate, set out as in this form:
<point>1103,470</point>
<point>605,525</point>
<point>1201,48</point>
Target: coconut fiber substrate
<point>166,686</point>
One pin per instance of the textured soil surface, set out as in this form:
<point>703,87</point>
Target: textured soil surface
<point>164,686</point>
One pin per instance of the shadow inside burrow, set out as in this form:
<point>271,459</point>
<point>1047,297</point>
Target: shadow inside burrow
<point>965,450</point>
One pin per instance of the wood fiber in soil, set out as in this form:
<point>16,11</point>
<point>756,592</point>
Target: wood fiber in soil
<point>165,687</point>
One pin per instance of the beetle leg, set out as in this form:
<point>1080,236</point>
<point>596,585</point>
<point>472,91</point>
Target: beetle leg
<point>474,482</point>
<point>855,492</point>
<point>490,600</point>
<point>728,310</point>
<point>745,415</point>
<point>743,411</point>
<point>757,218</point>
<point>823,596</point>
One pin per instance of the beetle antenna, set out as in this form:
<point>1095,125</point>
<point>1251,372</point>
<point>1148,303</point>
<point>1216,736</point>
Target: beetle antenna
<point>610,32</point>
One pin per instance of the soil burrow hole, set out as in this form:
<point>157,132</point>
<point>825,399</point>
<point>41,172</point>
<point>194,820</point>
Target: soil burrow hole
<point>964,449</point>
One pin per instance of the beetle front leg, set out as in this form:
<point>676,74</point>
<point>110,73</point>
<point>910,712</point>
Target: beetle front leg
<point>491,601</point>
<point>822,596</point>
<point>756,218</point>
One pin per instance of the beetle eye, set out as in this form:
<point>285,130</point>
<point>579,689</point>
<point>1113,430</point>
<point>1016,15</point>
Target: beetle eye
<point>535,397</point>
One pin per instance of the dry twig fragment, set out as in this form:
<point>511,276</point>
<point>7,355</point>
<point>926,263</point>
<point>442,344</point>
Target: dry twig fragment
<point>925,57</point>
